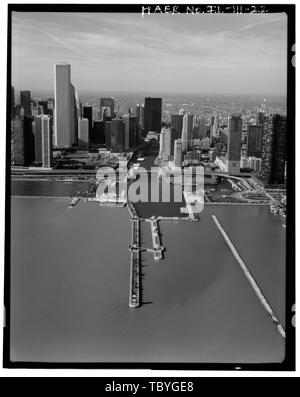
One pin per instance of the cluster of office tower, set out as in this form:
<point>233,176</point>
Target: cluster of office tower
<point>188,137</point>
<point>63,122</point>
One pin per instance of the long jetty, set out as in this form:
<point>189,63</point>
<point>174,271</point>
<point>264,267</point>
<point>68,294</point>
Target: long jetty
<point>134,278</point>
<point>157,247</point>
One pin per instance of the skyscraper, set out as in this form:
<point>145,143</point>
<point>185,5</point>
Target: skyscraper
<point>202,128</point>
<point>254,140</point>
<point>63,134</point>
<point>98,133</point>
<point>107,104</point>
<point>78,105</point>
<point>22,141</point>
<point>165,143</point>
<point>187,132</point>
<point>274,149</point>
<point>83,133</point>
<point>235,125</point>
<point>74,123</point>
<point>142,116</point>
<point>87,112</point>
<point>117,135</point>
<point>43,140</point>
<point>176,124</point>
<point>131,132</point>
<point>138,111</point>
<point>177,153</point>
<point>152,114</point>
<point>260,117</point>
<point>107,130</point>
<point>25,102</point>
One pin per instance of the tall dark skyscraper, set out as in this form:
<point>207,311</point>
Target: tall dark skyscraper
<point>107,129</point>
<point>274,149</point>
<point>107,105</point>
<point>98,133</point>
<point>152,114</point>
<point>87,112</point>
<point>254,140</point>
<point>235,125</point>
<point>25,102</point>
<point>22,141</point>
<point>177,124</point>
<point>117,135</point>
<point>131,132</point>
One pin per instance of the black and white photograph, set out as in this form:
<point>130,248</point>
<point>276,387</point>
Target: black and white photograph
<point>150,186</point>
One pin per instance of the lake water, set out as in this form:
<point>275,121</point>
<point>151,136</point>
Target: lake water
<point>70,284</point>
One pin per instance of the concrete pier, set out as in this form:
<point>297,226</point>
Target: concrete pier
<point>157,247</point>
<point>134,279</point>
<point>251,280</point>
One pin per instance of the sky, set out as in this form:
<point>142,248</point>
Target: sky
<point>204,53</point>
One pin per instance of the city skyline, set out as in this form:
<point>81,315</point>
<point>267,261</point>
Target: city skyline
<point>125,52</point>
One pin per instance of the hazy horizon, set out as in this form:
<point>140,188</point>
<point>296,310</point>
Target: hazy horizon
<point>219,54</point>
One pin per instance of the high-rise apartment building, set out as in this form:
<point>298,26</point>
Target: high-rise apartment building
<point>235,125</point>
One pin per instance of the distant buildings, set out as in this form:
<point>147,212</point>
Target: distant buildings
<point>274,149</point>
<point>25,102</point>
<point>63,134</point>
<point>235,125</point>
<point>43,140</point>
<point>152,114</point>
<point>254,140</point>
<point>22,141</point>
<point>187,132</point>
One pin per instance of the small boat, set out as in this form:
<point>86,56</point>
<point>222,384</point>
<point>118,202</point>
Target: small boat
<point>74,201</point>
